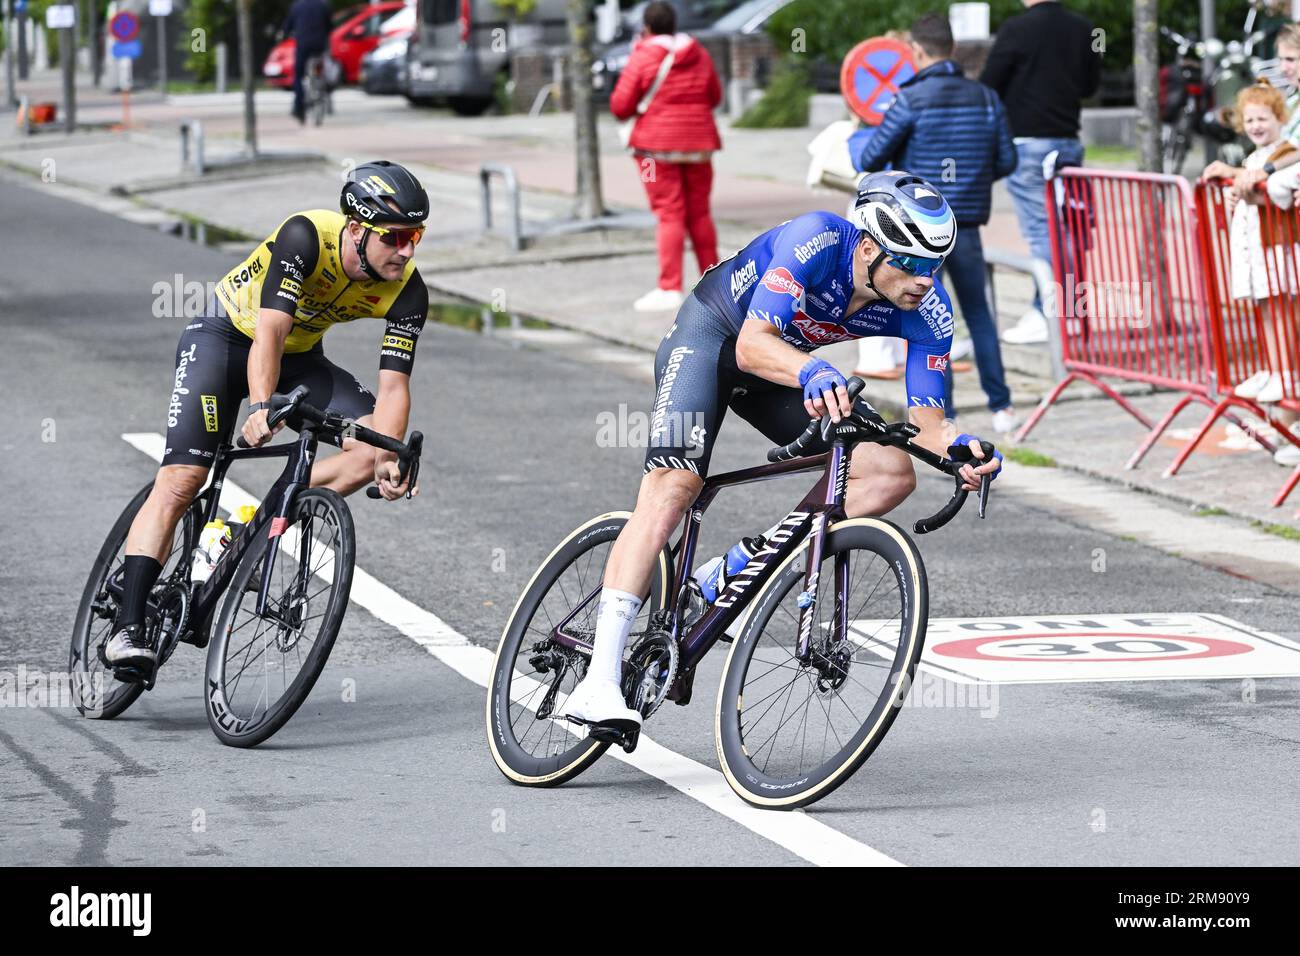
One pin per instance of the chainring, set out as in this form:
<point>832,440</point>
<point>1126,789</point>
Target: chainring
<point>652,668</point>
<point>171,621</point>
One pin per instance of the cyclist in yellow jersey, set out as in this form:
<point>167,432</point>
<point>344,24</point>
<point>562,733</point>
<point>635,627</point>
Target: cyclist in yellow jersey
<point>261,334</point>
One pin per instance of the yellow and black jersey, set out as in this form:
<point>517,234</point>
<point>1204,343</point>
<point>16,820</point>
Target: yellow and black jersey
<point>297,270</point>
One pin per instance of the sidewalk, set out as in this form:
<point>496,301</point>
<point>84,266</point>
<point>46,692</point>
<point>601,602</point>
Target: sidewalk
<point>584,281</point>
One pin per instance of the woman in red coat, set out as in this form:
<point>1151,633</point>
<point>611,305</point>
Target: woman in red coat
<point>672,143</point>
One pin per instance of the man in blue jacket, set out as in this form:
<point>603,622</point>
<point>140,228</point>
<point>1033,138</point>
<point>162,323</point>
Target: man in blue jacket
<point>308,22</point>
<point>953,131</point>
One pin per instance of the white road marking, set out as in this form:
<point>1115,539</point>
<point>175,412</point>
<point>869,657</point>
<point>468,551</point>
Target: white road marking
<point>797,832</point>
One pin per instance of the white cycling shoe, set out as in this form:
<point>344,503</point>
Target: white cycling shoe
<point>131,648</point>
<point>599,702</point>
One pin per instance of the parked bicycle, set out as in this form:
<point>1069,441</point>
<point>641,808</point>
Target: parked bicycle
<point>833,614</point>
<point>290,566</point>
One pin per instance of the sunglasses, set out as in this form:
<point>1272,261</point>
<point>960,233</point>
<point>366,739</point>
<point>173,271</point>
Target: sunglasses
<point>916,265</point>
<point>396,236</point>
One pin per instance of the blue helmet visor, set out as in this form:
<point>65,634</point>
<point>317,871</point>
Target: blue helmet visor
<point>915,265</point>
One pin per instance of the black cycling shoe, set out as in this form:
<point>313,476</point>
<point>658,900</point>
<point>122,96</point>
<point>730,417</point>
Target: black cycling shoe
<point>130,654</point>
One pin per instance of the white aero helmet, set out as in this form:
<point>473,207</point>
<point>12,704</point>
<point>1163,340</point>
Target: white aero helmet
<point>905,215</point>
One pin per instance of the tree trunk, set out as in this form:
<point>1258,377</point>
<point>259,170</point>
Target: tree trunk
<point>590,205</point>
<point>1146,67</point>
<point>245,19</point>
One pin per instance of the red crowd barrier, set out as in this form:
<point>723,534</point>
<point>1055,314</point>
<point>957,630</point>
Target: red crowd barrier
<point>1255,320</point>
<point>1142,271</point>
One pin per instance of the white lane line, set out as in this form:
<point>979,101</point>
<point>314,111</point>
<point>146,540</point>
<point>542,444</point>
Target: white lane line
<point>801,834</point>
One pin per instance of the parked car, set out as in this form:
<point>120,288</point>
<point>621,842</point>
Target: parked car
<point>462,49</point>
<point>383,69</point>
<point>357,31</point>
<point>728,18</point>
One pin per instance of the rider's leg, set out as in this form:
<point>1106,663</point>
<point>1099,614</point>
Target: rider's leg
<point>334,387</point>
<point>694,368</point>
<point>666,494</point>
<point>206,392</point>
<point>148,543</point>
<point>880,479</point>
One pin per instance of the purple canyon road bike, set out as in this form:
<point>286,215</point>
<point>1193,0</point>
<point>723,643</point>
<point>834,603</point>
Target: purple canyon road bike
<point>831,616</point>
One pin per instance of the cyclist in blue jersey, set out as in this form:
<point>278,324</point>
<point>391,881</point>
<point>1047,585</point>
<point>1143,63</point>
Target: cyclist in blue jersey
<point>740,341</point>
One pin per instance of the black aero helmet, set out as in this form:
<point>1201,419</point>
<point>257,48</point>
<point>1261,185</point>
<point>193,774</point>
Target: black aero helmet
<point>372,186</point>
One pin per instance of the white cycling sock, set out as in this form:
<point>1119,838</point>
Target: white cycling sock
<point>614,619</point>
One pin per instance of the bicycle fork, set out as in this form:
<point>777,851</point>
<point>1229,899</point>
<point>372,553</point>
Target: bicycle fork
<point>805,652</point>
<point>299,480</point>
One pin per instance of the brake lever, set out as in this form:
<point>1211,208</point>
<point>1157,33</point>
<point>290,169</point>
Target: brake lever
<point>985,482</point>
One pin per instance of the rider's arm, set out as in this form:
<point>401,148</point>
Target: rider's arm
<point>928,331</point>
<point>273,327</point>
<point>405,320</point>
<point>294,252</point>
<point>761,351</point>
<point>804,254</point>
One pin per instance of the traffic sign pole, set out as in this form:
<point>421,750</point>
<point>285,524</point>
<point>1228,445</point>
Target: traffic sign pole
<point>10,99</point>
<point>67,59</point>
<point>162,54</point>
<point>125,28</point>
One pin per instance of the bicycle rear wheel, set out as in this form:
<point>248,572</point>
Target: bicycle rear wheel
<point>96,692</point>
<point>790,732</point>
<point>261,669</point>
<point>532,675</point>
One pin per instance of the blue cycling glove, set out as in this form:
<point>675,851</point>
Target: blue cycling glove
<point>819,376</point>
<point>963,441</point>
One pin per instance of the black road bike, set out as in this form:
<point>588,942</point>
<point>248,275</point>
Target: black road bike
<point>832,614</point>
<point>285,578</point>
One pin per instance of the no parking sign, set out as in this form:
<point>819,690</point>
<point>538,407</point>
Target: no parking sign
<point>871,75</point>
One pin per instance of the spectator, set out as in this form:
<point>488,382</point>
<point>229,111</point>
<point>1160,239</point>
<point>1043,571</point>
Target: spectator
<point>308,22</point>
<point>953,131</point>
<point>1043,64</point>
<point>672,143</point>
<point>1263,266</point>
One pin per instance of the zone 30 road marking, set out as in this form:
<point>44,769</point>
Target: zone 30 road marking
<point>797,832</point>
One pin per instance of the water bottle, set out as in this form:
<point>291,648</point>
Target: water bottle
<point>213,541</point>
<point>243,515</point>
<point>713,575</point>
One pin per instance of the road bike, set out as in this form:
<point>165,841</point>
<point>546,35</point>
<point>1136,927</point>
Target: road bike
<point>290,566</point>
<point>832,616</point>
<point>317,97</point>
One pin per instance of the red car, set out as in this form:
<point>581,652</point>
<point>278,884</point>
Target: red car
<point>356,32</point>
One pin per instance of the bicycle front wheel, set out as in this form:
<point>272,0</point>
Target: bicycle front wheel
<point>532,675</point>
<point>261,668</point>
<point>789,731</point>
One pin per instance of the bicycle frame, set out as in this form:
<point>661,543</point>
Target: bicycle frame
<point>823,504</point>
<point>295,477</point>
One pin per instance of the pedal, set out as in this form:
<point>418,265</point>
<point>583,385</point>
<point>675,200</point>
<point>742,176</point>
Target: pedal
<point>135,675</point>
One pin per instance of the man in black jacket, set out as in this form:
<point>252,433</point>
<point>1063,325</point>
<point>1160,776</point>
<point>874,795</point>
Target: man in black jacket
<point>309,24</point>
<point>1043,64</point>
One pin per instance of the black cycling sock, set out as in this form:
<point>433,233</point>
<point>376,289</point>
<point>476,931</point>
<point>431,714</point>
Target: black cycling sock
<point>141,574</point>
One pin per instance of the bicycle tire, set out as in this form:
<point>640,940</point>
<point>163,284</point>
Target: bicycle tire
<point>225,720</point>
<point>514,762</point>
<point>83,657</point>
<point>755,785</point>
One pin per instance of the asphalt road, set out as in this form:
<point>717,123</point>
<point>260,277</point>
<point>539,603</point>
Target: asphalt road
<point>1150,772</point>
